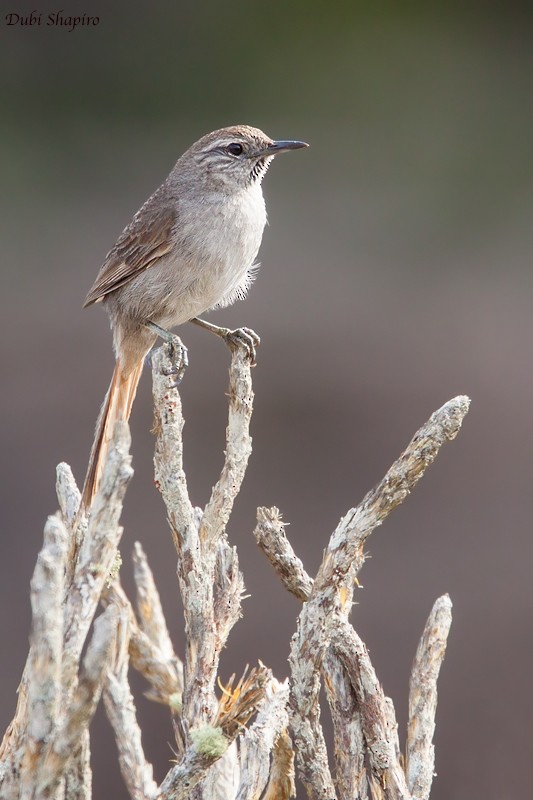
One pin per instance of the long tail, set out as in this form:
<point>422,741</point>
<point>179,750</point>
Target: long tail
<point>117,405</point>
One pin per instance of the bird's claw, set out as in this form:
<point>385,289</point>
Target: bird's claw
<point>179,360</point>
<point>245,338</point>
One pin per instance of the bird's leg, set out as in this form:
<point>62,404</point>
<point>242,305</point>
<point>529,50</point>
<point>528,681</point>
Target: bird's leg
<point>240,337</point>
<point>176,350</point>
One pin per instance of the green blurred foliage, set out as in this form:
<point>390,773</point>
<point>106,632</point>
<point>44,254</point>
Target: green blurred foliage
<point>422,107</point>
<point>168,61</point>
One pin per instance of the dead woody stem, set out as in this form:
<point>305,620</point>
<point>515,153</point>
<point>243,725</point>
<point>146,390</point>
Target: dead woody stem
<point>241,742</point>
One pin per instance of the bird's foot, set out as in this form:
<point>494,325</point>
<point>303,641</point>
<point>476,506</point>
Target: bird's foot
<point>240,337</point>
<point>178,357</point>
<point>175,350</point>
<point>245,338</point>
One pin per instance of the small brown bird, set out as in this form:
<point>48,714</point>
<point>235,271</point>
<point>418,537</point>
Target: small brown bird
<point>190,248</point>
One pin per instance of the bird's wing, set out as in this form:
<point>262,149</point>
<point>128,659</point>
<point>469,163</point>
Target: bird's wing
<point>142,243</point>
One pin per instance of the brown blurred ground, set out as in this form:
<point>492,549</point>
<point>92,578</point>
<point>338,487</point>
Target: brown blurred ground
<point>396,274</point>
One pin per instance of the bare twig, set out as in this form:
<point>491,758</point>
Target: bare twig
<point>222,779</point>
<point>168,460</point>
<point>83,706</point>
<point>68,494</point>
<point>209,577</point>
<point>193,767</point>
<point>375,714</point>
<point>348,739</point>
<point>210,581</point>
<point>162,675</point>
<point>120,709</point>
<point>307,650</point>
<point>150,613</point>
<point>96,553</point>
<point>195,585</point>
<point>238,449</point>
<point>69,497</point>
<point>346,545</point>
<point>306,656</point>
<point>350,777</point>
<point>45,745</point>
<point>165,681</point>
<point>46,649</point>
<point>260,742</point>
<point>270,535</point>
<point>420,752</point>
<point>150,646</point>
<point>329,601</point>
<point>349,746</point>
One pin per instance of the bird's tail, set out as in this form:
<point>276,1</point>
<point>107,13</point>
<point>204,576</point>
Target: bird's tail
<point>117,405</point>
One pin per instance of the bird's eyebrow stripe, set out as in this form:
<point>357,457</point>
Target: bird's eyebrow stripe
<point>220,144</point>
<point>224,142</point>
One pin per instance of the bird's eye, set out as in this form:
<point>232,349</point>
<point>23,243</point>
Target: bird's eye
<point>235,149</point>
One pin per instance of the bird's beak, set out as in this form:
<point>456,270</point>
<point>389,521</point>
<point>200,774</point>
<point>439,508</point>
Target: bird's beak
<point>280,147</point>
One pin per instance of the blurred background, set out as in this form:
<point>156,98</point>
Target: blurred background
<point>396,274</point>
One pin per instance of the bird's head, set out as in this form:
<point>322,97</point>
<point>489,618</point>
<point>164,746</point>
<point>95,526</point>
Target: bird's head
<point>237,157</point>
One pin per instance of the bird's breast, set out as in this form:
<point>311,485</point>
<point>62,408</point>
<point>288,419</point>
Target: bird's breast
<point>216,246</point>
<point>230,231</point>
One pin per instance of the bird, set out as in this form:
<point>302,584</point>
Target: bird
<point>190,248</point>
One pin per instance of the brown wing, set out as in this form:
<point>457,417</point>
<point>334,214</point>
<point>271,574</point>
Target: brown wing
<point>141,244</point>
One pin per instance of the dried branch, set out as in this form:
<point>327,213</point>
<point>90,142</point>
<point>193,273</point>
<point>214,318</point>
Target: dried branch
<point>307,650</point>
<point>345,556</point>
<point>270,535</point>
<point>211,742</point>
<point>46,648</point>
<point>210,582</point>
<point>193,767</point>
<point>238,449</point>
<point>375,714</point>
<point>120,709</point>
<point>196,586</point>
<point>45,747</point>
<point>281,784</point>
<point>420,752</point>
<point>83,705</point>
<point>222,779</point>
<point>150,613</point>
<point>45,753</point>
<point>96,553</point>
<point>164,679</point>
<point>168,459</point>
<point>78,775</point>
<point>349,746</point>
<point>329,599</point>
<point>348,739</point>
<point>268,736</point>
<point>69,498</point>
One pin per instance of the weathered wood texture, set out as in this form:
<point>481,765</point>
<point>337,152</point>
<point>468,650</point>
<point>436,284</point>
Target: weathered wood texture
<point>240,742</point>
